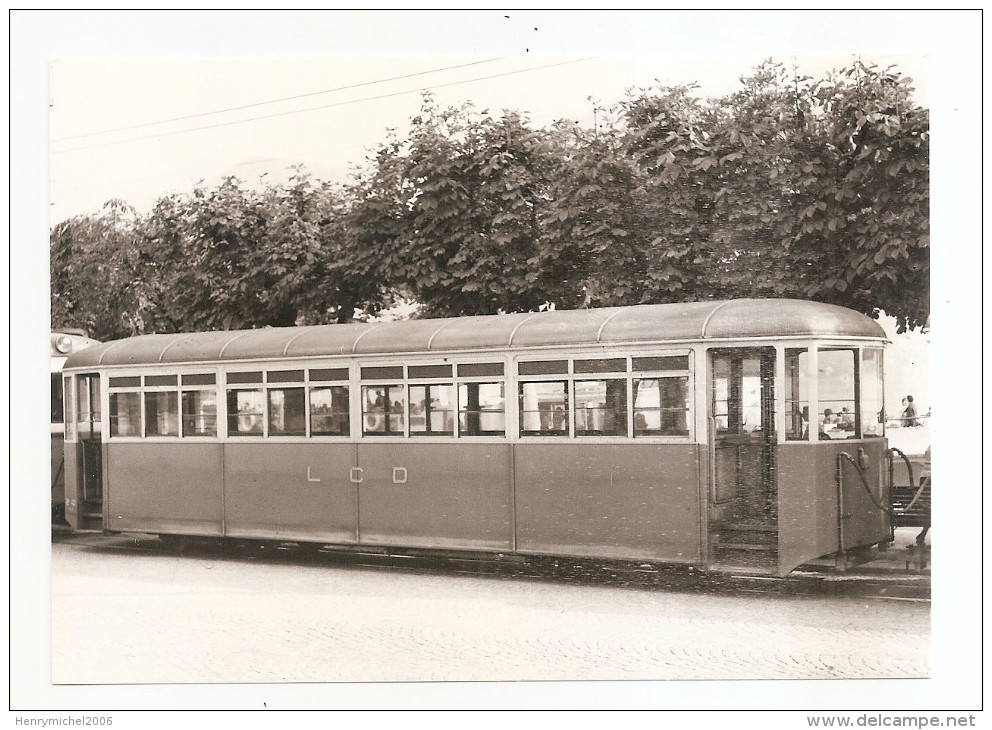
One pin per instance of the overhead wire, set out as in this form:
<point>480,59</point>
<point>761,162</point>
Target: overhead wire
<point>323,106</point>
<point>271,101</point>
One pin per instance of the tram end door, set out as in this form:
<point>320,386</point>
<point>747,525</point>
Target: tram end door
<point>84,455</point>
<point>742,520</point>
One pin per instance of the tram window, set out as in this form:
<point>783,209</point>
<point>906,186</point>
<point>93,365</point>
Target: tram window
<point>245,410</point>
<point>251,377</point>
<point>432,410</point>
<point>543,367</point>
<point>607,365</point>
<point>329,411</point>
<point>88,402</point>
<point>796,395</point>
<point>326,374</point>
<point>837,386</point>
<point>96,401</point>
<point>57,414</point>
<point>199,412</point>
<point>721,395</point>
<point>199,379</point>
<point>872,405</point>
<point>601,407</point>
<point>162,413</point>
<point>387,372</point>
<point>125,414</point>
<point>544,408</point>
<point>287,411</point>
<point>480,370</point>
<point>429,371</point>
<point>131,381</point>
<point>661,407</point>
<point>382,410</point>
<point>482,409</point>
<point>160,380</point>
<point>70,417</point>
<point>661,362</point>
<point>285,376</point>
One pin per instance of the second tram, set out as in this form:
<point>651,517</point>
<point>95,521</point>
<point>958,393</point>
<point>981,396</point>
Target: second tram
<point>742,434</point>
<point>63,343</point>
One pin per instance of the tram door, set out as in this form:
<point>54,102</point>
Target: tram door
<point>743,503</point>
<point>84,500</point>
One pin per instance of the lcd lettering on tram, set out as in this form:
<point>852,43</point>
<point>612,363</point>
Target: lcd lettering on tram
<point>680,433</point>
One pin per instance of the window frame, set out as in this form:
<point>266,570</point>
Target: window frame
<point>112,429</point>
<point>568,431</point>
<point>388,412</point>
<point>601,378</point>
<point>146,397</point>
<point>484,371</point>
<point>663,410</point>
<point>311,386</point>
<point>855,351</point>
<point>183,391</point>
<point>453,411</point>
<point>467,382</point>
<point>629,374</point>
<point>283,388</point>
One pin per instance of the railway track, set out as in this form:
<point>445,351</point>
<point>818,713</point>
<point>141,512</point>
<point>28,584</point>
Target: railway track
<point>811,581</point>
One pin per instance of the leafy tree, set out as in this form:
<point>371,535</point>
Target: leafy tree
<point>667,138</point>
<point>207,245</point>
<point>789,187</point>
<point>452,213</point>
<point>229,257</point>
<point>95,273</point>
<point>593,238</point>
<point>869,234</point>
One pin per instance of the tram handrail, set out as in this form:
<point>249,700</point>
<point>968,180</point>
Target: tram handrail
<point>55,479</point>
<point>909,465</point>
<point>864,482</point>
<point>912,482</point>
<point>888,510</point>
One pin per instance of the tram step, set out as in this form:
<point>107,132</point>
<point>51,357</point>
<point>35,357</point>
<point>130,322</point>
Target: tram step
<point>747,546</point>
<point>751,527</point>
<point>91,515</point>
<point>746,537</point>
<point>745,558</point>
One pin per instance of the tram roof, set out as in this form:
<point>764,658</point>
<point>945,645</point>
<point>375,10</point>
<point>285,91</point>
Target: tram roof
<point>693,321</point>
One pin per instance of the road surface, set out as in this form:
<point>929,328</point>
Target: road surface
<point>126,610</point>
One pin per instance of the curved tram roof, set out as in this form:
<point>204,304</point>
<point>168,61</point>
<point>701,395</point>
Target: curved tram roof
<point>738,319</point>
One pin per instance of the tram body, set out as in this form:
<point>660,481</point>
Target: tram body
<point>675,433</point>
<point>63,343</point>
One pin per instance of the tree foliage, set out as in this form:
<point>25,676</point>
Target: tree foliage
<point>96,281</point>
<point>453,213</point>
<point>789,187</point>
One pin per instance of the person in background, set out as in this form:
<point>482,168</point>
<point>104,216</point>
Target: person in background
<point>846,419</point>
<point>828,422</point>
<point>909,416</point>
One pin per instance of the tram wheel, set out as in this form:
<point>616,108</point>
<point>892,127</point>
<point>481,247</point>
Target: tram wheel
<point>309,548</point>
<point>175,543</point>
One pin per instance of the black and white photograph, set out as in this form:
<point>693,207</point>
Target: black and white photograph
<point>496,360</point>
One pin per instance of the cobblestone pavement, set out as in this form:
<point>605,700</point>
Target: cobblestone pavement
<point>143,615</point>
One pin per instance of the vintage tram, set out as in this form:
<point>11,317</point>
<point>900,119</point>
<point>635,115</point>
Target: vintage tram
<point>730,435</point>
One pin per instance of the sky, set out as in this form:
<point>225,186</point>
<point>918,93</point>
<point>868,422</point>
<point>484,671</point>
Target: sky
<point>76,75</point>
<point>138,130</point>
